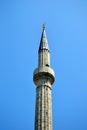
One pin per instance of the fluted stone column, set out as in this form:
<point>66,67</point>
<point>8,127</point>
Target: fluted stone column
<point>43,78</point>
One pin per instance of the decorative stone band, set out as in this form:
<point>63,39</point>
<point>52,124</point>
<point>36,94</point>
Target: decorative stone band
<point>45,86</point>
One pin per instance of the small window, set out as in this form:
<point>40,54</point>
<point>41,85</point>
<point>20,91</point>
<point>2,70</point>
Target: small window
<point>47,65</point>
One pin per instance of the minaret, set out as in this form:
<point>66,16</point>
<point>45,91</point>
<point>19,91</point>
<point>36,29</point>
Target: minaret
<point>43,78</point>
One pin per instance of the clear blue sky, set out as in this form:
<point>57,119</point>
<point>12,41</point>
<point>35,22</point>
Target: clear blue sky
<point>20,31</point>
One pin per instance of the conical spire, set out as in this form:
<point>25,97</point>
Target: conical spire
<point>43,41</point>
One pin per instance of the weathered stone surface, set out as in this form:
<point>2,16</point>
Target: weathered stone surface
<point>43,78</point>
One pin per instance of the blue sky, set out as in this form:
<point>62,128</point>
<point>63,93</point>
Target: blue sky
<point>20,32</point>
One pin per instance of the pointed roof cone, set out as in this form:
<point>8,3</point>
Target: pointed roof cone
<point>43,41</point>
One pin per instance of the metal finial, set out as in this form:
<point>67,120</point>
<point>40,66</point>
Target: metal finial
<point>44,26</point>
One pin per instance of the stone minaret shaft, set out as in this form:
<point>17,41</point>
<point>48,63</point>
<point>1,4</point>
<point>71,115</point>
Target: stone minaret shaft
<point>43,78</point>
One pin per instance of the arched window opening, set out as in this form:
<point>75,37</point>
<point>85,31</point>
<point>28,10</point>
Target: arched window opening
<point>47,65</point>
